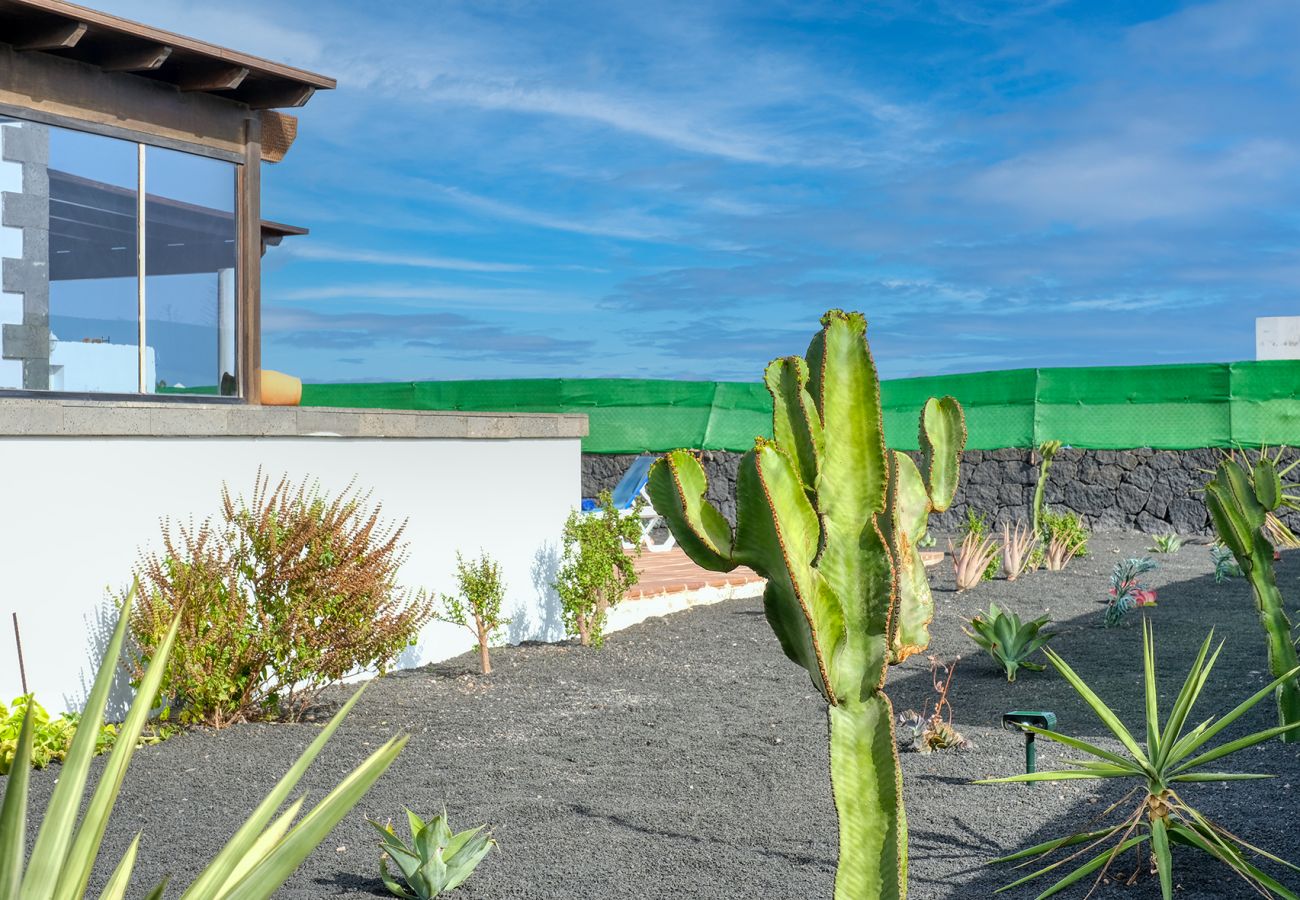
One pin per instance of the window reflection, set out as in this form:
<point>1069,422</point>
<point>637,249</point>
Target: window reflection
<point>190,269</point>
<point>68,245</point>
<point>70,304</point>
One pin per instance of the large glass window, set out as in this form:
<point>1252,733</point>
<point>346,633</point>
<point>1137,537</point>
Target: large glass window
<point>75,304</point>
<point>190,271</point>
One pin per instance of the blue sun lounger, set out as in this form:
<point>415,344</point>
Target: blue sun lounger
<point>631,486</point>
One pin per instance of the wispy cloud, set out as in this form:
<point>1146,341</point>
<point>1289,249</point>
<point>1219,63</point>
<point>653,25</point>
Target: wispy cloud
<point>687,186</point>
<point>312,250</point>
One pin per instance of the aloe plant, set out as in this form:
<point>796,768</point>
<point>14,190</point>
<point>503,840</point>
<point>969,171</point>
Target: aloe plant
<point>263,853</point>
<point>1008,640</point>
<point>1243,500</point>
<point>435,861</point>
<point>831,519</point>
<point>1172,756</point>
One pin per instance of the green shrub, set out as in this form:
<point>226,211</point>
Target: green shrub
<point>280,596</point>
<point>977,524</point>
<point>51,737</point>
<point>477,606</point>
<point>1067,528</point>
<point>596,570</point>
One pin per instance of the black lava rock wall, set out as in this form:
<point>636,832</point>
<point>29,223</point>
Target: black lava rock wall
<point>1154,491</point>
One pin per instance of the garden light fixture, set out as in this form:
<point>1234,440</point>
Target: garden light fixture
<point>1017,719</point>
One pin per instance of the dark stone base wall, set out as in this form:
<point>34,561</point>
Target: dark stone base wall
<point>1154,491</point>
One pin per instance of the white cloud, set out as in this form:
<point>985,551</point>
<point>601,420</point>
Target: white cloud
<point>329,253</point>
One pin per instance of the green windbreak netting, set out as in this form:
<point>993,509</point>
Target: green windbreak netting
<point>1111,407</point>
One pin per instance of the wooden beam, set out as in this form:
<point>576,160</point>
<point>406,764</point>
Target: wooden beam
<point>248,186</point>
<point>62,36</point>
<point>137,59</point>
<point>283,96</point>
<point>224,78</point>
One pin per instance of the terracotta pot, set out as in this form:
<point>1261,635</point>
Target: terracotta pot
<point>279,389</point>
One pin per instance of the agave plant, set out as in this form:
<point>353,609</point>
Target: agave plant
<point>971,560</point>
<point>1008,640</point>
<point>1018,546</point>
<point>1171,757</point>
<point>263,853</point>
<point>435,861</point>
<point>1167,543</point>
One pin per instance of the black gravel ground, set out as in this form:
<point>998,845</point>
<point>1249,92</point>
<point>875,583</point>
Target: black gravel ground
<point>689,759</point>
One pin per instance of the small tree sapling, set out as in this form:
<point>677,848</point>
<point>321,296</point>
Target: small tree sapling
<point>477,605</point>
<point>596,569</point>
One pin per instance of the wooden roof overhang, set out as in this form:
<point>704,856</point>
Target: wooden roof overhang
<point>114,44</point>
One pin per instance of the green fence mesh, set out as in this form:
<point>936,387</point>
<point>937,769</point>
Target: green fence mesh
<point>1111,407</point>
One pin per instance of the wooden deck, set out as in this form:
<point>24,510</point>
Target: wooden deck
<point>672,572</point>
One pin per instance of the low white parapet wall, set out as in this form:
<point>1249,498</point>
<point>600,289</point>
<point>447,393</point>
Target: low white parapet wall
<point>86,483</point>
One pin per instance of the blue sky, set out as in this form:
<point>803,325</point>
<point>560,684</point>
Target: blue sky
<point>678,190</point>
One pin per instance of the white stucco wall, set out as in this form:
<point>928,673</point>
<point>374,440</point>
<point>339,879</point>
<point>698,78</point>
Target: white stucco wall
<point>77,510</point>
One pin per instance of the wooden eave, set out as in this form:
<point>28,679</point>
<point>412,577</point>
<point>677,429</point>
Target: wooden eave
<point>119,45</point>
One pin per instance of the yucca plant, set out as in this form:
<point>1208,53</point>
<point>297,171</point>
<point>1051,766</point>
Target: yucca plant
<point>1018,546</point>
<point>435,861</point>
<point>1008,640</point>
<point>971,560</point>
<point>264,852</point>
<point>1166,543</point>
<point>1171,757</point>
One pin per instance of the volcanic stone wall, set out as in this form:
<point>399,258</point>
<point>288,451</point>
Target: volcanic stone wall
<point>1154,491</point>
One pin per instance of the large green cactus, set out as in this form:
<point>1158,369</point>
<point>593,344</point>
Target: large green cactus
<point>1241,499</point>
<point>831,519</point>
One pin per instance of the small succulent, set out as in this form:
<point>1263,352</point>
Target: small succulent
<point>436,859</point>
<point>1127,592</point>
<point>1008,640</point>
<point>1167,543</point>
<point>932,729</point>
<point>1225,564</point>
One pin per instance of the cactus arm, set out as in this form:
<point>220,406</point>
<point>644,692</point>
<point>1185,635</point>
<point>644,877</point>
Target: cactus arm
<point>852,483</point>
<point>1239,517</point>
<point>1046,452</point>
<point>1268,484</point>
<point>943,436</point>
<point>795,426</point>
<point>1282,657</point>
<point>910,504</point>
<point>868,788</point>
<point>778,537</point>
<point>677,488</point>
<point>911,500</point>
